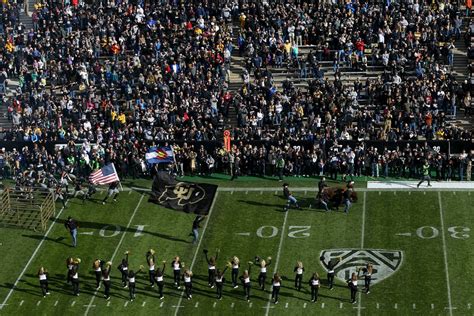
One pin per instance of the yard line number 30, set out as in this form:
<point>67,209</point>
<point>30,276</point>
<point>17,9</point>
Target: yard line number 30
<point>430,232</point>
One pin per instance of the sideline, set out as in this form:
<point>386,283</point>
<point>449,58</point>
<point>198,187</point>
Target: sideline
<point>445,252</point>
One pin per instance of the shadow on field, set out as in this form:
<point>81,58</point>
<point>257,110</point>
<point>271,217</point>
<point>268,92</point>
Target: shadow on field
<point>58,240</point>
<point>19,289</point>
<point>111,227</point>
<point>255,203</point>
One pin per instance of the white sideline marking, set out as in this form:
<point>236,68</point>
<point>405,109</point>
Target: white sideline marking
<point>286,305</point>
<point>214,305</point>
<point>396,306</point>
<point>404,234</point>
<point>243,234</point>
<point>197,249</point>
<point>341,304</point>
<point>322,305</point>
<point>73,303</point>
<point>117,248</point>
<point>450,308</point>
<point>277,261</point>
<point>304,305</point>
<point>196,305</point>
<point>38,303</point>
<point>125,304</point>
<point>87,233</point>
<point>445,252</point>
<point>31,258</point>
<point>108,303</point>
<point>232,305</point>
<point>22,301</point>
<point>362,240</point>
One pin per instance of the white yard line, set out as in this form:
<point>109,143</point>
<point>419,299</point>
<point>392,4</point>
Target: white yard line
<point>362,240</point>
<point>277,260</point>
<point>31,259</point>
<point>443,238</point>
<point>197,250</point>
<point>117,248</point>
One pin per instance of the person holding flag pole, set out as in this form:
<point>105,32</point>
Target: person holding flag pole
<point>107,175</point>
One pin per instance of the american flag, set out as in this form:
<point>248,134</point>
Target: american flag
<point>105,175</point>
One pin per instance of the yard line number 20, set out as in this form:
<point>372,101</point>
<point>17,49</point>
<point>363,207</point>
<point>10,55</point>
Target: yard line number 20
<point>293,231</point>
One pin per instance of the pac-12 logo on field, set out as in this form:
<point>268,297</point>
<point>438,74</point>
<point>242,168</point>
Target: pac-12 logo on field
<point>385,262</point>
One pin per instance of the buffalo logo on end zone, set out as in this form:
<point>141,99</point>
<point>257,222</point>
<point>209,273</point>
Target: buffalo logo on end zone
<point>385,262</point>
<point>183,193</point>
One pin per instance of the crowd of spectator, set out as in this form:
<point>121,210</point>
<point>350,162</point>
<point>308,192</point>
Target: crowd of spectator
<point>110,78</point>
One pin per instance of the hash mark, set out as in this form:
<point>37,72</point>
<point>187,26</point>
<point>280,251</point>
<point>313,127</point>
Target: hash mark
<point>394,192</point>
<point>409,192</point>
<point>214,305</point>
<point>108,303</point>
<point>432,306</point>
<point>450,307</point>
<point>340,305</point>
<point>73,303</point>
<point>414,306</point>
<point>469,306</point>
<point>55,303</point>
<point>380,193</point>
<point>454,192</point>
<point>322,305</point>
<point>143,304</point>
<point>396,306</point>
<point>424,192</point>
<point>125,304</point>
<point>39,302</point>
<point>305,192</point>
<point>304,305</point>
<point>378,306</point>
<point>286,305</point>
<point>261,192</point>
<point>246,192</point>
<point>232,305</point>
<point>197,304</point>
<point>161,305</point>
<point>231,192</point>
<point>22,301</point>
<point>276,192</point>
<point>250,305</point>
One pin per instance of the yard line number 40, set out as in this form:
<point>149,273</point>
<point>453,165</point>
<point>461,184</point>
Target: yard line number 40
<point>430,232</point>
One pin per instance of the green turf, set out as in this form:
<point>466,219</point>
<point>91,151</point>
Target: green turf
<point>421,279</point>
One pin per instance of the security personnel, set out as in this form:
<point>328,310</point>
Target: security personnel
<point>330,266</point>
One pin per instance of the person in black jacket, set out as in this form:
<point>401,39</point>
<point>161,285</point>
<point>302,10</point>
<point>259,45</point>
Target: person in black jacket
<point>330,266</point>
<point>196,226</point>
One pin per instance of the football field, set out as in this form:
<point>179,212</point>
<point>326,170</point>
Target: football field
<point>419,241</point>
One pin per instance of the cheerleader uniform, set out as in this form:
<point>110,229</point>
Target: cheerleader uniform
<point>220,283</point>
<point>131,286</point>
<point>123,268</point>
<point>367,279</point>
<point>235,274</point>
<point>262,276</point>
<point>188,285</point>
<point>276,289</point>
<point>299,277</point>
<point>75,281</point>
<point>176,273</point>
<point>314,284</point>
<point>330,266</point>
<point>353,286</point>
<point>246,284</point>
<point>211,271</point>
<point>70,267</point>
<point>43,280</point>
<point>98,275</point>
<point>159,278</point>
<point>151,272</point>
<point>106,279</point>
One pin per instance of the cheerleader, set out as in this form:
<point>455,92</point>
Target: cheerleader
<point>352,283</point>
<point>211,268</point>
<point>235,262</point>
<point>123,268</point>
<point>159,278</point>
<point>262,276</point>
<point>276,282</point>
<point>188,284</point>
<point>132,283</point>
<point>367,273</point>
<point>106,280</point>
<point>150,259</point>
<point>75,276</point>
<point>314,283</point>
<point>97,266</point>
<point>299,269</point>
<point>330,266</point>
<point>70,266</point>
<point>245,279</point>
<point>43,280</point>
<point>220,281</point>
<point>176,264</point>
